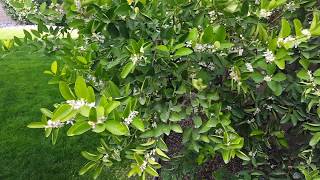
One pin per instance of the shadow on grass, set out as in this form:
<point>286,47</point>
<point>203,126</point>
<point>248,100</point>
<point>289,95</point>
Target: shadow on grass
<point>26,153</point>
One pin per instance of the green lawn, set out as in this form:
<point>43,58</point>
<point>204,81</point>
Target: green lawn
<point>26,153</point>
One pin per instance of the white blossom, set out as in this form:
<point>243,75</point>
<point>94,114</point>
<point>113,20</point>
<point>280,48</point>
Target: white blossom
<point>135,58</point>
<point>310,76</point>
<point>78,4</point>
<point>204,48</point>
<point>105,157</point>
<point>212,16</point>
<point>251,121</point>
<point>249,67</point>
<point>257,111</point>
<point>267,78</point>
<point>129,119</point>
<point>77,104</point>
<point>264,13</point>
<point>154,124</point>
<point>268,107</point>
<point>306,33</point>
<point>143,165</point>
<point>218,131</point>
<point>269,56</point>
<point>71,121</point>
<point>291,6</point>
<point>189,44</point>
<point>54,124</point>
<point>234,75</point>
<point>229,108</point>
<point>92,124</point>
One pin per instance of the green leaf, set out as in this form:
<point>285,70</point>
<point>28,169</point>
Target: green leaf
<point>281,63</point>
<point>315,25</point>
<point>36,125</point>
<point>97,171</point>
<point>54,136</point>
<point>193,35</point>
<point>279,77</point>
<point>183,52</point>
<point>285,29</point>
<point>80,88</point>
<point>87,167</point>
<point>151,171</point>
<point>113,89</point>
<point>62,112</point>
<point>54,67</point>
<point>82,59</point>
<point>197,121</point>
<point>176,128</point>
<point>161,153</point>
<point>303,74</point>
<point>208,35</point>
<point>315,139</point>
<point>46,112</point>
<point>242,155</point>
<point>127,69</point>
<point>65,91</point>
<point>220,34</point>
<point>110,106</point>
<point>138,124</point>
<point>78,128</point>
<point>275,87</point>
<point>297,27</point>
<point>163,48</point>
<point>116,127</point>
<point>256,132</point>
<point>317,73</point>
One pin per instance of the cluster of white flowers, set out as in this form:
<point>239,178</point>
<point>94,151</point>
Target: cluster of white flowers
<point>77,104</point>
<point>105,157</point>
<point>148,156</point>
<point>268,107</point>
<point>269,56</point>
<point>98,37</point>
<point>289,39</point>
<point>209,65</point>
<point>154,124</point>
<point>267,78</point>
<point>307,33</point>
<point>252,154</point>
<point>234,75</point>
<point>78,4</point>
<point>291,6</point>
<point>251,121</point>
<point>238,50</point>
<point>310,76</point>
<point>249,67</point>
<point>129,119</point>
<point>257,111</point>
<point>58,8</point>
<point>135,58</point>
<point>218,131</point>
<point>97,83</point>
<point>204,48</point>
<point>54,124</point>
<point>264,13</point>
<point>189,44</point>
<point>229,108</point>
<point>212,16</point>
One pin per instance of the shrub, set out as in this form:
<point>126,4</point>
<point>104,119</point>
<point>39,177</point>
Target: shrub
<point>243,74</point>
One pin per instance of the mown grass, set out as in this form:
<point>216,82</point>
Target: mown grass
<point>26,153</point>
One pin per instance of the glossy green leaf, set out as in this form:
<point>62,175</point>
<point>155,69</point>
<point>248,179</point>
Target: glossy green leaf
<point>78,128</point>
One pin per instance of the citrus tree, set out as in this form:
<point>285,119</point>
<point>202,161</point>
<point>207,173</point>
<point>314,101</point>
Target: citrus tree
<point>243,75</point>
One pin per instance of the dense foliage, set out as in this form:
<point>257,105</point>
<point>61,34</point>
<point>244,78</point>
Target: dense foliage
<point>244,73</point>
